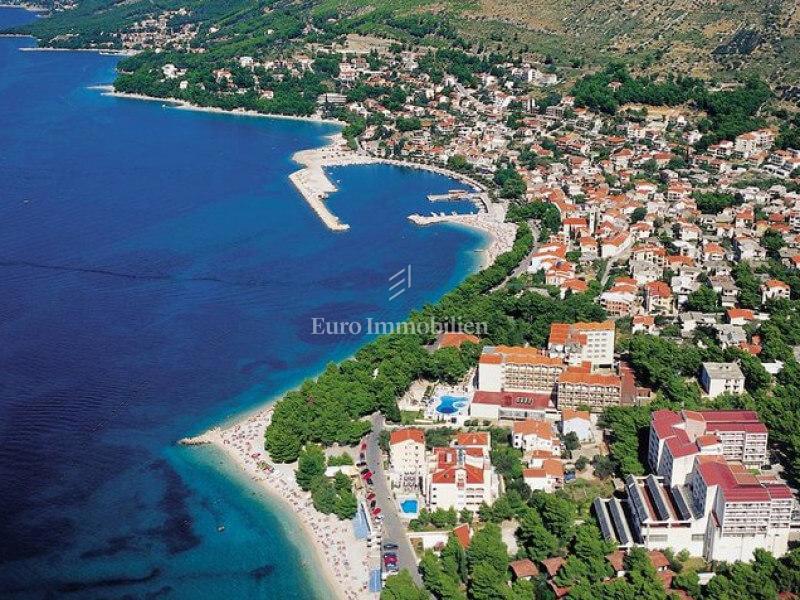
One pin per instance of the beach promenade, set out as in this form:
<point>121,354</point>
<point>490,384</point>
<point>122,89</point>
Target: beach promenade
<point>342,558</point>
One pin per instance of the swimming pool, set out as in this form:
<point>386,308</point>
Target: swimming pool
<point>410,506</point>
<point>451,404</point>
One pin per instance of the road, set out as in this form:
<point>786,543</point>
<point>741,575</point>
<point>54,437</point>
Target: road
<point>393,528</point>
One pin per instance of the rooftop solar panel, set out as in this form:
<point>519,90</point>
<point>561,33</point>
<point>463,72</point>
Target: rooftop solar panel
<point>658,500</point>
<point>680,503</point>
<point>603,520</point>
<point>635,497</point>
<point>620,523</point>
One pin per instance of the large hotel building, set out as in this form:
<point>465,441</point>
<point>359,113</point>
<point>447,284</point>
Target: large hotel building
<point>703,497</point>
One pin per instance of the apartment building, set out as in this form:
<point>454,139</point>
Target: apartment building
<point>724,513</point>
<point>578,388</point>
<point>577,343</point>
<point>745,511</point>
<point>534,435</point>
<point>407,457</point>
<point>461,476</point>
<point>721,378</point>
<point>677,438</point>
<point>513,368</point>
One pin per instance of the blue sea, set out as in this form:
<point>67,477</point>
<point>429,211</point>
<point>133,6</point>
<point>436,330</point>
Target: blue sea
<point>160,275</point>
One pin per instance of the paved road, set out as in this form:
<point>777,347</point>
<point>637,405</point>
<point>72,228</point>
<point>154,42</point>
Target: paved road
<point>393,528</point>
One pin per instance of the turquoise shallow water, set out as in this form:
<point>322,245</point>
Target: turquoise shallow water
<point>160,274</point>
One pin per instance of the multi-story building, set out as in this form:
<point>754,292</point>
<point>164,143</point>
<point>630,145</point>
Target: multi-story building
<point>577,422</point>
<point>721,378</point>
<point>724,513</point>
<point>596,391</point>
<point>745,511</point>
<point>677,438</point>
<point>513,368</point>
<point>461,476</point>
<point>577,343</point>
<point>775,289</point>
<point>407,457</point>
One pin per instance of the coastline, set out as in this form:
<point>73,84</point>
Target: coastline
<point>29,7</point>
<point>336,549</point>
<point>499,234</point>
<point>108,90</point>
<point>106,51</point>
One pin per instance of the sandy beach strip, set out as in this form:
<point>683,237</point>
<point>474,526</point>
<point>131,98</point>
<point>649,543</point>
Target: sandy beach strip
<point>501,234</point>
<point>341,558</point>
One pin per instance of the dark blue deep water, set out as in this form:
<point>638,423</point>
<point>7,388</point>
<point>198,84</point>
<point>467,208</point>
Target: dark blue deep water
<point>159,274</point>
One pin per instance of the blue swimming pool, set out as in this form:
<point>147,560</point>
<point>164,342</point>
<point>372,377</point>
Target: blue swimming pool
<point>451,404</point>
<point>410,506</point>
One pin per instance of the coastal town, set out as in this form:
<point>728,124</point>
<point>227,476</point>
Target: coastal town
<point>678,234</point>
<point>627,425</point>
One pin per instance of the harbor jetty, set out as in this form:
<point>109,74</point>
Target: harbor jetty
<point>314,185</point>
<point>312,182</point>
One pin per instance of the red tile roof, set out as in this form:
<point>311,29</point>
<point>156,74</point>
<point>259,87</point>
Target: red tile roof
<point>475,438</point>
<point>402,435</point>
<point>524,568</point>
<point>462,533</point>
<point>454,339</point>
<point>553,565</point>
<point>542,429</point>
<point>581,377</point>
<point>527,400</point>
<point>448,476</point>
<point>741,487</point>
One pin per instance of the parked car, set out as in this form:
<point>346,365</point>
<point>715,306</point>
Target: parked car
<point>376,511</point>
<point>369,480</point>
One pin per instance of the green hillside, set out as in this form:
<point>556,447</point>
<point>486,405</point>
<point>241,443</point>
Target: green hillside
<point>703,38</point>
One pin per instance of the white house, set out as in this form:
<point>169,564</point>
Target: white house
<point>577,422</point>
<point>534,434</point>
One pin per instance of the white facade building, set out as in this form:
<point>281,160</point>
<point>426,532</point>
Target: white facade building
<point>577,343</point>
<point>407,457</point>
<point>721,378</point>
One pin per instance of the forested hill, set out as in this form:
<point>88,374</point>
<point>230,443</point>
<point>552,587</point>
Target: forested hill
<point>696,37</point>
